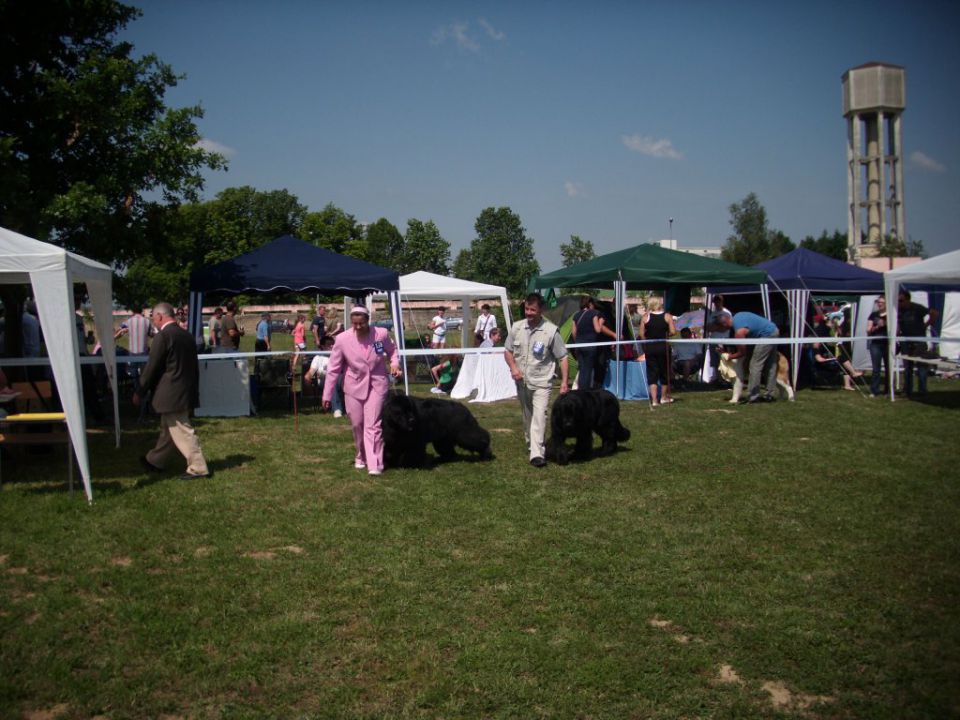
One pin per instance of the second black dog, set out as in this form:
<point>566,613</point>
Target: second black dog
<point>410,423</point>
<point>579,414</point>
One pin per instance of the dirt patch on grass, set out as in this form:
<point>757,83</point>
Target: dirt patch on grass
<point>48,714</point>
<point>260,555</point>
<point>17,571</point>
<point>3,559</point>
<point>295,549</point>
<point>726,411</point>
<point>659,623</point>
<point>728,675</point>
<point>782,698</point>
<point>121,561</point>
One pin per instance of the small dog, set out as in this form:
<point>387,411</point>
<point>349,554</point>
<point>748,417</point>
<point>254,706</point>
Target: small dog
<point>736,371</point>
<point>579,414</point>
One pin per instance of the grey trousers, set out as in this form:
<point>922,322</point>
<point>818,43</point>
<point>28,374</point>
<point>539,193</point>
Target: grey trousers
<point>763,369</point>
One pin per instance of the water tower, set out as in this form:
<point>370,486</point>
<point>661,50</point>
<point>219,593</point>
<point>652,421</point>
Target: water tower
<point>874,98</point>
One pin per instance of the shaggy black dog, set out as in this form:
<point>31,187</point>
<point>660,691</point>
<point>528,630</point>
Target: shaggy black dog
<point>579,414</point>
<point>410,423</point>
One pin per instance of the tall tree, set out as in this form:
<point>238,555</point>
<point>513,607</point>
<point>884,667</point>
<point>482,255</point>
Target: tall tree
<point>576,251</point>
<point>242,219</point>
<point>752,240</point>
<point>385,244</point>
<point>88,149</point>
<point>834,245</point>
<point>425,249</point>
<point>501,254</point>
<point>336,230</point>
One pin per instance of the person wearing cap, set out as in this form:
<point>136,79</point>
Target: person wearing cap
<point>363,355</point>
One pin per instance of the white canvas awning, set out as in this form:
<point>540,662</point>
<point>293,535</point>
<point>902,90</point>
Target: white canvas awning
<point>52,272</point>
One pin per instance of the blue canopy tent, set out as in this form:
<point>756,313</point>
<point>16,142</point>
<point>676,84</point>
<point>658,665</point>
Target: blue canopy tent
<point>802,272</point>
<point>289,264</point>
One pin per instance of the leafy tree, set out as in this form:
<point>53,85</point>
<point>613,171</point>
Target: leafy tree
<point>336,230</point>
<point>752,240</point>
<point>385,244</point>
<point>89,153</point>
<point>242,219</point>
<point>501,254</point>
<point>891,247</point>
<point>463,264</point>
<point>915,248</point>
<point>780,243</point>
<point>425,249</point>
<point>834,245</point>
<point>576,251</point>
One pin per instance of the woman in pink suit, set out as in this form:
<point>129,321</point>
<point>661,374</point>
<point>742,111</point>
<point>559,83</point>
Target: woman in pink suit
<point>361,355</point>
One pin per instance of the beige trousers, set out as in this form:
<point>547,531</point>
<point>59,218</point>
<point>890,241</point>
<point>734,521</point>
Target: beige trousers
<point>176,431</point>
<point>534,402</point>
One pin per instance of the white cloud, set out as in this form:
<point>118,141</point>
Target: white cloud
<point>213,146</point>
<point>491,32</point>
<point>645,145</point>
<point>574,189</point>
<point>924,161</point>
<point>458,32</point>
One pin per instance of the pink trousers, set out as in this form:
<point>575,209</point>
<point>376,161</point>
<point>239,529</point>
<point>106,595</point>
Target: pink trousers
<point>367,430</point>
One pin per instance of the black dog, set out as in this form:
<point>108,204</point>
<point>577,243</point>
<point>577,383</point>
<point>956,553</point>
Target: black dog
<point>579,414</point>
<point>410,423</point>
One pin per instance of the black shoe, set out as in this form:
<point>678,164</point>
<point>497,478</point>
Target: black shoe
<point>149,466</point>
<point>191,476</point>
<point>538,462</point>
<point>754,399</point>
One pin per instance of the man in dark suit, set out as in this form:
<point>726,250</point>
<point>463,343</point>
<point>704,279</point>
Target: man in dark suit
<point>172,373</point>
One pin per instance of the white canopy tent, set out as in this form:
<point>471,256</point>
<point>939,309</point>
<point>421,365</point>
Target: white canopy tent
<point>422,285</point>
<point>938,273</point>
<point>52,271</point>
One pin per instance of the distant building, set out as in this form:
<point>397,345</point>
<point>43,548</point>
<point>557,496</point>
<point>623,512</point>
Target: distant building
<point>710,252</point>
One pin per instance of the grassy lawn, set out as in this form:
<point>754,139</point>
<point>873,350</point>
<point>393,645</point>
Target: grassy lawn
<point>786,560</point>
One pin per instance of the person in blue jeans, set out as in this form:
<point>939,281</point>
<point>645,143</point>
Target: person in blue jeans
<point>877,344</point>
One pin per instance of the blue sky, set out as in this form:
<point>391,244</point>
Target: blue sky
<point>601,120</point>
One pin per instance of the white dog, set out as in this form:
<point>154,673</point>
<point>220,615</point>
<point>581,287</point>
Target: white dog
<point>735,371</point>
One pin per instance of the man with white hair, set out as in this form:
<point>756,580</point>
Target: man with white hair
<point>173,375</point>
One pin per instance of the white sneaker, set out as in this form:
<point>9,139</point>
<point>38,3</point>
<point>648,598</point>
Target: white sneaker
<point>375,472</point>
<point>359,465</point>
<point>436,391</point>
<point>337,414</point>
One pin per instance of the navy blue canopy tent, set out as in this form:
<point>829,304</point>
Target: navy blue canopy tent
<point>802,272</point>
<point>289,264</point>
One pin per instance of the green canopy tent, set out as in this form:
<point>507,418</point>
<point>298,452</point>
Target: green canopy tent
<point>651,267</point>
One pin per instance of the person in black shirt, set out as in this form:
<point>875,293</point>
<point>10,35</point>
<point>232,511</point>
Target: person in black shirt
<point>877,344</point>
<point>912,321</point>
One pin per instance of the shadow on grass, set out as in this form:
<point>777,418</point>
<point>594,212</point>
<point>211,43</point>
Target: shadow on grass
<point>947,400</point>
<point>216,466</point>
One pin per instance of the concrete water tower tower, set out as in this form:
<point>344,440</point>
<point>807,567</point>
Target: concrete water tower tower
<point>874,98</point>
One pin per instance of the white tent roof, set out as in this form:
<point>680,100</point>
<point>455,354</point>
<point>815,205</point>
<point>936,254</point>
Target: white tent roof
<point>940,270</point>
<point>52,271</point>
<point>422,285</point>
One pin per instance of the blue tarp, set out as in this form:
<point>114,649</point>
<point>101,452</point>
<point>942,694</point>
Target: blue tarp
<point>290,264</point>
<point>803,269</point>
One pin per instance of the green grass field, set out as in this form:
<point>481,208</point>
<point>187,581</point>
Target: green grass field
<point>786,560</point>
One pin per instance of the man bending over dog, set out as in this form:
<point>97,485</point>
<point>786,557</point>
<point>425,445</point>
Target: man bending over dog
<point>763,361</point>
<point>533,348</point>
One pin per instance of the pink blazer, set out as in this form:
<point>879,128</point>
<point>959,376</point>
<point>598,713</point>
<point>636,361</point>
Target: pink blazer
<point>363,368</point>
